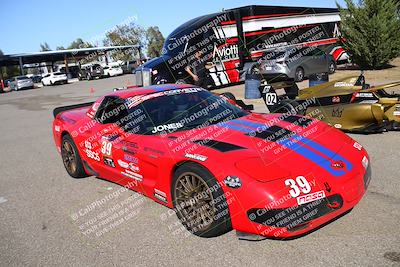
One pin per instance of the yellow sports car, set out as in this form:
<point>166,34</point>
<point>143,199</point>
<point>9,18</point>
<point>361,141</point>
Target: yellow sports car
<point>348,104</point>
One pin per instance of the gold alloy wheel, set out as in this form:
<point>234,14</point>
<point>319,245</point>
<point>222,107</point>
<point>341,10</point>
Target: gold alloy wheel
<point>68,156</point>
<point>194,202</point>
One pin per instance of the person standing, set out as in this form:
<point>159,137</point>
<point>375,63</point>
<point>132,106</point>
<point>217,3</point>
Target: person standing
<point>198,70</point>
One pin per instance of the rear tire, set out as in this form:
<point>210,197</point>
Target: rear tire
<point>199,201</point>
<point>71,159</point>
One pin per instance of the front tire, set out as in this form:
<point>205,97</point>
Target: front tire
<point>199,201</point>
<point>71,158</point>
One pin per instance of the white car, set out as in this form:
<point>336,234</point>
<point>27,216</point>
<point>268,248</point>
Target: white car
<point>54,78</point>
<point>110,71</point>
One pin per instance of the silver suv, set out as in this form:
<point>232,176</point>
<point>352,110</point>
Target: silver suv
<point>296,63</point>
<point>21,82</point>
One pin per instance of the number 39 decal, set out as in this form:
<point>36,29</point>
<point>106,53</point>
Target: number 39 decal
<point>106,148</point>
<point>298,186</point>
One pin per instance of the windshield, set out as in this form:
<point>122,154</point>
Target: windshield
<point>22,78</point>
<point>177,111</point>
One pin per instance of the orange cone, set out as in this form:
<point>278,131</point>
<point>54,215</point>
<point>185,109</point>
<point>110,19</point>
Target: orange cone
<point>91,90</point>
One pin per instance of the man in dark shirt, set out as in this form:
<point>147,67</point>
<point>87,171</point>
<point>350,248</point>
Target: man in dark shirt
<point>198,70</point>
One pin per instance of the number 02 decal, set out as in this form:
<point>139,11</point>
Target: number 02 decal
<point>106,148</point>
<point>299,186</point>
<point>271,98</point>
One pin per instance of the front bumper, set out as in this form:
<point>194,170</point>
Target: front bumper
<point>284,219</point>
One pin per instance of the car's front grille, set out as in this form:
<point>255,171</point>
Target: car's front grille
<point>297,215</point>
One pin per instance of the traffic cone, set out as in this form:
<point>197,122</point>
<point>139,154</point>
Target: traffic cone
<point>91,90</point>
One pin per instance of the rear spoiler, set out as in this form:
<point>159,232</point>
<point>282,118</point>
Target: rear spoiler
<point>58,110</point>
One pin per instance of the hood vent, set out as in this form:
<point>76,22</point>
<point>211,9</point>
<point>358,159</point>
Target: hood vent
<point>218,145</point>
<point>300,121</point>
<point>274,134</point>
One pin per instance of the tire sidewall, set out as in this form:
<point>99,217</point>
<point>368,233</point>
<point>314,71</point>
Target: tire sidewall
<point>221,223</point>
<point>80,171</point>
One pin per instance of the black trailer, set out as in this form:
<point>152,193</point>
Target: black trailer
<point>238,39</point>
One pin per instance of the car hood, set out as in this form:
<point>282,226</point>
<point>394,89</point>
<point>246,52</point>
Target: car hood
<point>268,141</point>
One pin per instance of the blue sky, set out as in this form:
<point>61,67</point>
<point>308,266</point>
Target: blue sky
<point>26,23</point>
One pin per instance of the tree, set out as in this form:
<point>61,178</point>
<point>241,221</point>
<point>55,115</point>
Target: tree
<point>127,34</point>
<point>45,47</point>
<point>79,43</point>
<point>370,32</point>
<point>60,48</point>
<point>155,41</point>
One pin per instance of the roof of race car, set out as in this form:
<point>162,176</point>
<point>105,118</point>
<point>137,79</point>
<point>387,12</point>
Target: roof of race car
<point>135,91</point>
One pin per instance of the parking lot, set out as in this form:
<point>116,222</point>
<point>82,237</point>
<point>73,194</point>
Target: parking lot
<point>48,217</point>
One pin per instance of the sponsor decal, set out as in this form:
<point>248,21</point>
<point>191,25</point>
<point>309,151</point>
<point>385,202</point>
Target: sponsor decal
<point>338,164</point>
<point>196,157</point>
<point>109,162</point>
<point>88,145</point>
<point>160,195</point>
<point>129,144</point>
<point>357,145</point>
<point>92,155</point>
<point>123,164</point>
<point>367,95</point>
<point>336,99</point>
<point>132,175</point>
<point>225,53</point>
<point>310,197</point>
<point>131,159</point>
<point>133,167</point>
<point>167,127</point>
<point>343,84</point>
<point>368,102</point>
<point>57,128</point>
<point>233,182</point>
<point>337,126</point>
<point>365,162</point>
<point>137,100</point>
<point>337,112</point>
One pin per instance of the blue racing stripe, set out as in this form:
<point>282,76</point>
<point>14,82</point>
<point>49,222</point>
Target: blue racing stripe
<point>311,155</point>
<point>235,127</point>
<point>329,153</point>
<point>250,124</point>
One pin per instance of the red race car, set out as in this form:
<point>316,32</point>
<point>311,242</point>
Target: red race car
<point>218,166</point>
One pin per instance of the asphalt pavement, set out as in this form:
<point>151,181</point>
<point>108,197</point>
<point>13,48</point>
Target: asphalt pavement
<point>48,218</point>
